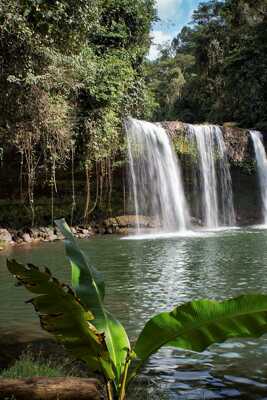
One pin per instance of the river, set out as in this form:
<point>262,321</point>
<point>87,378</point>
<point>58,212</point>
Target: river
<point>147,276</point>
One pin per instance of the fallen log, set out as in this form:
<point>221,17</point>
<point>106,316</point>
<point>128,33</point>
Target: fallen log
<point>51,389</point>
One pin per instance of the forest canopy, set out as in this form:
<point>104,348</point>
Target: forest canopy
<point>216,68</point>
<point>71,71</point>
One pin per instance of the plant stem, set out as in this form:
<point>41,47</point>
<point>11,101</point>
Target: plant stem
<point>122,395</point>
<point>109,390</point>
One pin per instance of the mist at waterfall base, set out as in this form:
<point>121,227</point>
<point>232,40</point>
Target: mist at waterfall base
<point>261,161</point>
<point>156,186</point>
<point>156,183</point>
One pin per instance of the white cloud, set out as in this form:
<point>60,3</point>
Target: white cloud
<point>158,38</point>
<point>168,9</point>
<point>173,14</point>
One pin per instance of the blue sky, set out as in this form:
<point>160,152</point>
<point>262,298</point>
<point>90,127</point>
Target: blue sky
<point>173,14</point>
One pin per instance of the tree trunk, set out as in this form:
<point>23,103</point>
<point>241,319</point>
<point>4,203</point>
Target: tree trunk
<point>51,389</point>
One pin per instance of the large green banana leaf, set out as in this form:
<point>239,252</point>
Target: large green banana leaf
<point>89,286</point>
<point>198,324</point>
<point>62,314</point>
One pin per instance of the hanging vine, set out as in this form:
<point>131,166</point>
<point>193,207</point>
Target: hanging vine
<point>73,204</point>
<point>27,142</point>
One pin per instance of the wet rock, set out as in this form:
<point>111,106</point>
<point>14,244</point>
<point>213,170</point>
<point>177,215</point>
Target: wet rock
<point>26,238</point>
<point>101,230</point>
<point>196,221</point>
<point>5,236</point>
<point>174,128</point>
<point>125,223</point>
<point>18,240</point>
<point>236,142</point>
<point>48,234</point>
<point>124,231</point>
<point>59,234</point>
<point>35,233</point>
<point>86,232</point>
<point>81,232</point>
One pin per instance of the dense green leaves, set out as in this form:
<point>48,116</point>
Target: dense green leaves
<point>70,71</point>
<point>89,286</point>
<point>225,76</point>
<point>63,315</point>
<point>198,324</point>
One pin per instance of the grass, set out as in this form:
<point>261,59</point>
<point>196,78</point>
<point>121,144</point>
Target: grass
<point>31,365</point>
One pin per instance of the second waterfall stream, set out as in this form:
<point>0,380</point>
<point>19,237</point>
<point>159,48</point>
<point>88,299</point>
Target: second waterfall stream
<point>214,183</point>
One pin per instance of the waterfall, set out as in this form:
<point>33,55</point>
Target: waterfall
<point>261,168</point>
<point>215,184</point>
<point>155,178</point>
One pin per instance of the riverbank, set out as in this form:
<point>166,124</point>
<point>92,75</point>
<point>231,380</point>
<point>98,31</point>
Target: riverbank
<point>37,235</point>
<point>121,225</point>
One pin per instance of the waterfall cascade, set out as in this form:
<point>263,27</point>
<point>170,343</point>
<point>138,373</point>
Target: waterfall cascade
<point>215,184</point>
<point>262,168</point>
<point>155,178</point>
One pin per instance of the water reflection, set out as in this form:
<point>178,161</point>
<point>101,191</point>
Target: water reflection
<point>148,276</point>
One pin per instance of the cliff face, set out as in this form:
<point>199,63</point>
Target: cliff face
<point>237,140</point>
<point>241,156</point>
<point>14,205</point>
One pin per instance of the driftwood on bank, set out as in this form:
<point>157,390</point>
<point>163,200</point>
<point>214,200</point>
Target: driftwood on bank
<point>50,389</point>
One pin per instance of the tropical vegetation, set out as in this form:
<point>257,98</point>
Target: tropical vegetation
<point>78,318</point>
<point>215,69</point>
<point>71,71</point>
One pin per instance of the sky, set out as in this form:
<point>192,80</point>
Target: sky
<point>173,14</point>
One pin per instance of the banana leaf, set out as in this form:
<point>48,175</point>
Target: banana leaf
<point>62,314</point>
<point>89,286</point>
<point>198,324</point>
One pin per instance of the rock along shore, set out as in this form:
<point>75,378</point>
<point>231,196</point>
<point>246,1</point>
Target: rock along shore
<point>121,225</point>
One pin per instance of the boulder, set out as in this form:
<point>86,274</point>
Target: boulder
<point>48,234</point>
<point>124,222</point>
<point>59,234</point>
<point>35,233</point>
<point>5,236</point>
<point>26,238</point>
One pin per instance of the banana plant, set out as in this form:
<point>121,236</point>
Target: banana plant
<point>79,320</point>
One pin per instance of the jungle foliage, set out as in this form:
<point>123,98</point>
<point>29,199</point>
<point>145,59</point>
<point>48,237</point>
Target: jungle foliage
<point>78,319</point>
<point>70,72</point>
<point>216,68</point>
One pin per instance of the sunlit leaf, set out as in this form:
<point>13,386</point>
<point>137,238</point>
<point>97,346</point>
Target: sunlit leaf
<point>198,324</point>
<point>89,286</point>
<point>62,314</point>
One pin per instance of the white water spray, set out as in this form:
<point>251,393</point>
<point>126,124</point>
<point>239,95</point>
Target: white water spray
<point>215,180</point>
<point>262,168</point>
<point>155,178</point>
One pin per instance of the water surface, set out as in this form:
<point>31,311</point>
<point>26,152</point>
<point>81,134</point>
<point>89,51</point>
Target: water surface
<point>147,276</point>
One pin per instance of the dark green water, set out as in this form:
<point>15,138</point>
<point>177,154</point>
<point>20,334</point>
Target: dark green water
<point>144,277</point>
